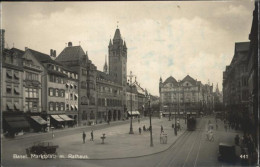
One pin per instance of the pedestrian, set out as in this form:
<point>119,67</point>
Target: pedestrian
<point>237,140</point>
<point>161,129</point>
<point>84,136</point>
<point>92,135</point>
<point>144,129</point>
<point>140,130</point>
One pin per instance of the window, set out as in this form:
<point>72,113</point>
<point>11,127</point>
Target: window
<point>62,93</point>
<point>16,90</point>
<point>75,86</point>
<point>9,74</point>
<point>26,92</point>
<point>67,106</point>
<point>62,106</point>
<point>71,96</point>
<point>8,89</point>
<point>16,75</point>
<point>51,91</point>
<point>51,78</point>
<point>66,95</point>
<point>76,76</point>
<point>51,106</point>
<point>83,84</point>
<point>57,92</point>
<point>57,106</point>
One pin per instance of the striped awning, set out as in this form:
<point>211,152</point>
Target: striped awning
<point>39,120</point>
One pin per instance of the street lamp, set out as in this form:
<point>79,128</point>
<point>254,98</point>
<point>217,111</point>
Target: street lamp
<point>130,84</point>
<point>151,132</point>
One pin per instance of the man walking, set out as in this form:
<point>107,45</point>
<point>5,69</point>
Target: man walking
<point>84,136</point>
<point>92,136</point>
<point>140,130</point>
<point>161,129</point>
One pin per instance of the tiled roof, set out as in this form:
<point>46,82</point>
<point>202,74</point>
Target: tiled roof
<point>104,76</point>
<point>189,79</point>
<point>70,53</point>
<point>42,57</point>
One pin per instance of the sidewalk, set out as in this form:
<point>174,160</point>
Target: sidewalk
<point>56,131</point>
<point>118,143</point>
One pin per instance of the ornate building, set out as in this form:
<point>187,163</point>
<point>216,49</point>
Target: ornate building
<point>187,96</point>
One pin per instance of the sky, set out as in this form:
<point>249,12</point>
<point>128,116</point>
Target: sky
<point>167,38</point>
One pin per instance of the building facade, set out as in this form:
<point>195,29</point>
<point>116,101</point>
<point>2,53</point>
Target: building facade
<point>185,97</point>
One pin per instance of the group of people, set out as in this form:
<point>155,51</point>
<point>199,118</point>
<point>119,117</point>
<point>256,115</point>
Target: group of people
<point>84,136</point>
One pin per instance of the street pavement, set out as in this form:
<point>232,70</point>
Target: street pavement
<point>118,143</point>
<point>190,149</point>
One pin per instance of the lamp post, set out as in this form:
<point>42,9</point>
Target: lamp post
<point>151,131</point>
<point>131,121</point>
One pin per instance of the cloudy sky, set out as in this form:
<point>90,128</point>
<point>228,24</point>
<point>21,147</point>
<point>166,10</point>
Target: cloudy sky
<point>163,38</point>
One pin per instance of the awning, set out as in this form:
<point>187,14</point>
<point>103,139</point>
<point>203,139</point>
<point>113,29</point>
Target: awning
<point>181,112</point>
<point>66,118</point>
<point>57,118</point>
<point>76,107</point>
<point>165,113</point>
<point>134,113</point>
<point>10,106</point>
<point>76,95</point>
<point>71,85</point>
<point>39,120</point>
<point>188,112</point>
<point>194,112</point>
<point>17,122</point>
<point>72,107</point>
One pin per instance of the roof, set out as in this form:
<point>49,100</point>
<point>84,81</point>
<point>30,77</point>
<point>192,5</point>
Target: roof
<point>20,52</point>
<point>170,80</point>
<point>242,46</point>
<point>104,76</point>
<point>189,79</point>
<point>70,53</point>
<point>117,34</point>
<point>134,89</point>
<point>42,57</point>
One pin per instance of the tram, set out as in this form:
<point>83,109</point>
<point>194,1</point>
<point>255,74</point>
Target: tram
<point>191,124</point>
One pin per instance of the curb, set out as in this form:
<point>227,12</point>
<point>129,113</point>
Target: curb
<point>132,156</point>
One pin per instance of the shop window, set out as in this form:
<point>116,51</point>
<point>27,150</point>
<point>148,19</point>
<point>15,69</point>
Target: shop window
<point>67,106</point>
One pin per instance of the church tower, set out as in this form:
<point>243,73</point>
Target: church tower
<point>117,53</point>
<point>105,68</point>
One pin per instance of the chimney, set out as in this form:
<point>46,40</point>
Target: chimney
<point>54,53</point>
<point>69,44</point>
<point>2,38</point>
<point>51,52</point>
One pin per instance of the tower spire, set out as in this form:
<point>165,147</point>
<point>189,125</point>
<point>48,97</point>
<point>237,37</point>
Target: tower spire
<point>105,69</point>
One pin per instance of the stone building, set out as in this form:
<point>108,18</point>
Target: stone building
<point>78,61</point>
<point>14,119</point>
<point>253,77</point>
<point>235,81</point>
<point>185,97</point>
